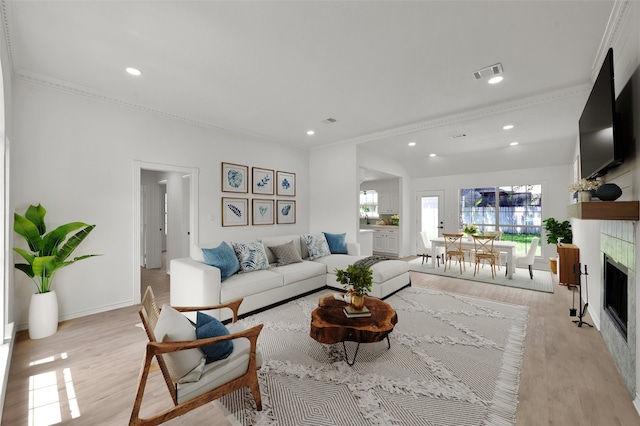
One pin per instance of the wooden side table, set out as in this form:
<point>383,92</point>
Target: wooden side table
<point>569,264</point>
<point>330,325</point>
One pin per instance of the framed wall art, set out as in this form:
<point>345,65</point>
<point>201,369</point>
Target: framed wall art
<point>235,211</point>
<point>235,178</point>
<point>262,212</point>
<point>286,211</point>
<point>262,181</point>
<point>286,183</point>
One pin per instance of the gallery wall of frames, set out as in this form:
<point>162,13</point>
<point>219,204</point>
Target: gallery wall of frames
<point>262,207</point>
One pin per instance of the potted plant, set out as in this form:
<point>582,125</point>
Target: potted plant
<point>557,232</point>
<point>357,279</point>
<point>47,253</point>
<point>470,229</point>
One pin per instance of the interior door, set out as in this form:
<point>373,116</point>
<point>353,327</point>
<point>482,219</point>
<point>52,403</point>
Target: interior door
<point>430,215</point>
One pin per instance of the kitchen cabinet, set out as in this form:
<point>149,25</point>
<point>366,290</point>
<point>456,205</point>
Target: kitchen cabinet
<point>386,241</point>
<point>388,203</point>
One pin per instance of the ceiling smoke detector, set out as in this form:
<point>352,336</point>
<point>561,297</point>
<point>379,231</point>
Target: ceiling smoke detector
<point>329,120</point>
<point>488,72</point>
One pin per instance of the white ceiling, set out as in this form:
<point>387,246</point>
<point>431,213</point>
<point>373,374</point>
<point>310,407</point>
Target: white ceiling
<point>389,72</point>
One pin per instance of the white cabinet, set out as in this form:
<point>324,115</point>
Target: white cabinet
<point>388,203</point>
<point>385,241</point>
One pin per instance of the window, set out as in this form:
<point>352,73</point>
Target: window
<point>368,204</point>
<point>515,210</point>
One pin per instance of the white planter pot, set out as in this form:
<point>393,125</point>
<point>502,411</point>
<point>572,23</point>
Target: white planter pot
<point>43,315</point>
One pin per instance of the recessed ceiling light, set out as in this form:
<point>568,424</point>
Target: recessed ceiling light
<point>412,144</point>
<point>496,79</point>
<point>311,132</point>
<point>134,71</point>
<point>432,155</point>
<point>513,143</point>
<point>507,127</point>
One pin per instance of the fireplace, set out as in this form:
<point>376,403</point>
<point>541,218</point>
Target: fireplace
<point>615,294</point>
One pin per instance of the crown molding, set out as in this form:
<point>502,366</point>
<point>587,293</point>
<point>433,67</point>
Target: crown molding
<point>77,90</point>
<point>501,108</point>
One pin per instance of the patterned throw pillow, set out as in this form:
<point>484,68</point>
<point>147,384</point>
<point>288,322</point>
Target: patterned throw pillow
<point>337,243</point>
<point>251,255</point>
<point>317,246</point>
<point>207,326</point>
<point>286,254</point>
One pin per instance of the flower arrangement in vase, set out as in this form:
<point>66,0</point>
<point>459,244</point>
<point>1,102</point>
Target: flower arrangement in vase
<point>585,188</point>
<point>470,229</point>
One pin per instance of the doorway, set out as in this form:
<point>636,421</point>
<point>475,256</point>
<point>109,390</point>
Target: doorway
<point>430,215</point>
<point>153,218</point>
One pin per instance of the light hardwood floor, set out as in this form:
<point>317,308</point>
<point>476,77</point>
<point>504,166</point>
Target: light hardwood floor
<point>568,376</point>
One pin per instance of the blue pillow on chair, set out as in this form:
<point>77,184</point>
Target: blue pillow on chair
<point>222,257</point>
<point>337,243</point>
<point>207,326</point>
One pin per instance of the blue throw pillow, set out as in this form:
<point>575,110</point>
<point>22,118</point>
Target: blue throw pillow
<point>337,243</point>
<point>222,257</point>
<point>207,326</point>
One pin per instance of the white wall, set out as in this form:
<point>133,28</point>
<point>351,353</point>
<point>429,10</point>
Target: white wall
<point>75,155</point>
<point>334,203</point>
<point>555,196</point>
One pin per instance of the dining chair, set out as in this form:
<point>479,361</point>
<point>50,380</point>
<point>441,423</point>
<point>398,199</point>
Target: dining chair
<point>498,235</point>
<point>483,252</point>
<point>528,259</point>
<point>453,248</point>
<point>423,238</point>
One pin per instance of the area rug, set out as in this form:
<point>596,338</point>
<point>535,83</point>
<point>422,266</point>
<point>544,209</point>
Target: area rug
<point>453,360</point>
<point>541,279</point>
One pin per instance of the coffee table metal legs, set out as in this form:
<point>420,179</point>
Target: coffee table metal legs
<point>346,356</point>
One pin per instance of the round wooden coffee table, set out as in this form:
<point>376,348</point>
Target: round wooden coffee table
<point>330,325</point>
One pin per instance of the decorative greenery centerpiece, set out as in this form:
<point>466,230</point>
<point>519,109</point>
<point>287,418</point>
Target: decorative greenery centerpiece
<point>47,252</point>
<point>470,229</point>
<point>557,231</point>
<point>357,279</point>
<point>395,219</point>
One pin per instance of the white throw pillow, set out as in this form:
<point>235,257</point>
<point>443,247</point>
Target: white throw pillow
<point>172,326</point>
<point>252,256</point>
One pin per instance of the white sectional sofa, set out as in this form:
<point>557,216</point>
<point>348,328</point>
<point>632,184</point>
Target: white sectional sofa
<point>194,283</point>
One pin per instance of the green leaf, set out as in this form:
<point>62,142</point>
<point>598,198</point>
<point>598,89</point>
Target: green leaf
<point>45,266</point>
<point>27,230</point>
<point>36,215</point>
<point>27,269</point>
<point>73,242</point>
<point>53,239</point>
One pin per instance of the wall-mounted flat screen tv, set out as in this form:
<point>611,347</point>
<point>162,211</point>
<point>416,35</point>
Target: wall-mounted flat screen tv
<point>601,146</point>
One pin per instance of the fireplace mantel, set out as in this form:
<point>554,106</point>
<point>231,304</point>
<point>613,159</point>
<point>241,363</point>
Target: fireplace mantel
<point>605,210</point>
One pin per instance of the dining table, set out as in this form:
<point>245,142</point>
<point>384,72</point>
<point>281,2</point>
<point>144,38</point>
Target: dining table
<point>507,247</point>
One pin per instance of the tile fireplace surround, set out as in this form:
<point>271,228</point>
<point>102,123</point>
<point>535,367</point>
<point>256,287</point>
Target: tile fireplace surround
<point>617,240</point>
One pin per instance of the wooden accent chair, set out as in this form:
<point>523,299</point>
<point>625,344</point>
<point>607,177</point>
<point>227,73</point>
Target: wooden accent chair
<point>218,378</point>
<point>483,252</point>
<point>453,248</point>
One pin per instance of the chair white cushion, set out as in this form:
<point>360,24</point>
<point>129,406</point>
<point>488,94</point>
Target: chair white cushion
<point>172,326</point>
<point>220,372</point>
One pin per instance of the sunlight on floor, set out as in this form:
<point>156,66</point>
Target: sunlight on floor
<point>44,400</point>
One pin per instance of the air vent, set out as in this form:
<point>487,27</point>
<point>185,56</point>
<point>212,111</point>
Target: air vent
<point>488,72</point>
<point>329,120</point>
